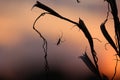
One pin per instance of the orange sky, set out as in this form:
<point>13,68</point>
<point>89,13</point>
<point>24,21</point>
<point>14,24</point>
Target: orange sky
<point>20,42</point>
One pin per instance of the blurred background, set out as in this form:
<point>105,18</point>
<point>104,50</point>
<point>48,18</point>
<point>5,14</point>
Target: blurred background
<point>21,52</point>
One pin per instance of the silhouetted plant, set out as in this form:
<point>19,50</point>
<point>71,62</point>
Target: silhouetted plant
<point>116,44</point>
<point>80,25</point>
<point>93,66</point>
<point>89,63</point>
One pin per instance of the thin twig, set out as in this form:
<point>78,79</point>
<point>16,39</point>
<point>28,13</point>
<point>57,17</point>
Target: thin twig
<point>106,45</point>
<point>97,39</point>
<point>108,12</point>
<point>115,71</point>
<point>44,46</point>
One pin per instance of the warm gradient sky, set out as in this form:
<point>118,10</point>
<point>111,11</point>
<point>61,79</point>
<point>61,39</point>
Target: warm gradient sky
<point>20,45</point>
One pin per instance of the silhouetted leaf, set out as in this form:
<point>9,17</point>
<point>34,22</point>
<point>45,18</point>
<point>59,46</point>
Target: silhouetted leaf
<point>44,7</point>
<point>51,11</point>
<point>87,34</point>
<point>114,12</point>
<point>107,36</point>
<point>89,63</point>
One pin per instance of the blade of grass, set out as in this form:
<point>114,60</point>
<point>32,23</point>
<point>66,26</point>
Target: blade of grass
<point>114,12</point>
<point>83,27</point>
<point>107,36</point>
<point>88,63</point>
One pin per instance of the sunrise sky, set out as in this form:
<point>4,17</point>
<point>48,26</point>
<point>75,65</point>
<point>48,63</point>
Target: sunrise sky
<point>21,46</point>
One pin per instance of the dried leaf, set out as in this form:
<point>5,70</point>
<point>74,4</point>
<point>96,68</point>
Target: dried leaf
<point>107,36</point>
<point>87,34</point>
<point>51,11</point>
<point>83,27</point>
<point>89,63</point>
<point>44,7</point>
<point>114,11</point>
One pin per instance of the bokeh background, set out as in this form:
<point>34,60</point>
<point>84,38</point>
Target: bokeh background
<point>21,47</point>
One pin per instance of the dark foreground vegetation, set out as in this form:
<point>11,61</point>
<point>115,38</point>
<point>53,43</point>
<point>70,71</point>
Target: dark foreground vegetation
<point>93,66</point>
